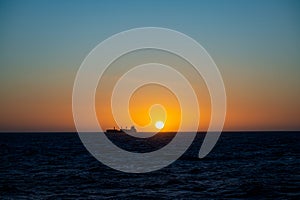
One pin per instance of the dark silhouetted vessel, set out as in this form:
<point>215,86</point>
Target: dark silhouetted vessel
<point>122,130</point>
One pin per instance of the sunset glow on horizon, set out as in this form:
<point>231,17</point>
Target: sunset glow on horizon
<point>254,44</point>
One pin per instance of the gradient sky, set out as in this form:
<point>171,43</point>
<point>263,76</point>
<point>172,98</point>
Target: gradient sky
<point>255,44</point>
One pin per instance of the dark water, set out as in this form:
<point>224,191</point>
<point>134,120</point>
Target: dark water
<point>242,165</point>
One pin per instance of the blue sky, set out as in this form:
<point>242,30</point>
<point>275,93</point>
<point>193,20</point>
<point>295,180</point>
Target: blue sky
<point>255,44</point>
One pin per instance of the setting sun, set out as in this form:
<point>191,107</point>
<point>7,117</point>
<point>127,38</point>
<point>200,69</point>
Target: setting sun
<point>159,124</point>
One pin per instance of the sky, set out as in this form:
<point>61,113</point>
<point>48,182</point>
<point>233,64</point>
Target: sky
<point>255,45</point>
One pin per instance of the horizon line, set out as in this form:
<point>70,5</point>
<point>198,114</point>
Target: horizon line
<point>224,131</point>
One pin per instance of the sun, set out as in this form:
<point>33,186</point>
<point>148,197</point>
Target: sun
<point>159,124</point>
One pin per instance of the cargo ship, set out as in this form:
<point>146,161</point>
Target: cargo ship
<point>114,130</point>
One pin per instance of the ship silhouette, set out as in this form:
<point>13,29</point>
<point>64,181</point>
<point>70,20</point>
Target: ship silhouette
<point>122,130</point>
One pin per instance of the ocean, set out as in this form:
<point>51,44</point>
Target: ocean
<point>243,165</point>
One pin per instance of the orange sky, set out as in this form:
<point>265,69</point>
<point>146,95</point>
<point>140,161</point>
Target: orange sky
<point>255,45</point>
<point>251,105</point>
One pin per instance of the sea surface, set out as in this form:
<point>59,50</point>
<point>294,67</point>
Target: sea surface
<point>243,165</point>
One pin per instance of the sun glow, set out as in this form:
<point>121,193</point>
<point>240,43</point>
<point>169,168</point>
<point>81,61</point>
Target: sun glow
<point>159,124</point>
